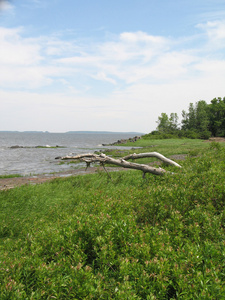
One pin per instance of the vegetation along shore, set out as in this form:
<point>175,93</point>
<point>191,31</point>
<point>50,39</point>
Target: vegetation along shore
<point>123,237</point>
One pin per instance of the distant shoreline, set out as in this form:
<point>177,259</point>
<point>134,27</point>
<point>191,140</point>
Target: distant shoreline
<point>77,132</point>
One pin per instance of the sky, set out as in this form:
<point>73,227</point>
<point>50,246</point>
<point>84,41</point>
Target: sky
<point>103,65</point>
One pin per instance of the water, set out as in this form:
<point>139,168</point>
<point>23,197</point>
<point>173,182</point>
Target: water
<point>31,160</point>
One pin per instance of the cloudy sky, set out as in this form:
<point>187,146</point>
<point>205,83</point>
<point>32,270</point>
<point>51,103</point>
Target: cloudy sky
<point>111,65</point>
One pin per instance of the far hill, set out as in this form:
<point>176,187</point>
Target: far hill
<point>105,132</point>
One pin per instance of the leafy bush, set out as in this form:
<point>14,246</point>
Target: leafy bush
<point>87,237</point>
<point>205,135</point>
<point>215,145</point>
<point>194,152</point>
<point>191,134</point>
<point>157,135</point>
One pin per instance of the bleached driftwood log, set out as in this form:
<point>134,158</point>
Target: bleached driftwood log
<point>122,162</point>
<point>152,154</point>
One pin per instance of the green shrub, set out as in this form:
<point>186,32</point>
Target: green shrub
<point>205,135</point>
<point>194,152</point>
<point>88,237</point>
<point>215,146</point>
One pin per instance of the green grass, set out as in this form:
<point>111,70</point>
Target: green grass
<point>49,147</point>
<point>169,146</point>
<point>10,176</point>
<point>89,237</point>
<point>166,147</point>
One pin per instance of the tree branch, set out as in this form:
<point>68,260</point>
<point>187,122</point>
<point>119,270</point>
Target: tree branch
<point>152,154</point>
<point>122,162</point>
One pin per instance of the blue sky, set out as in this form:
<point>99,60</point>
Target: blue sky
<point>107,65</point>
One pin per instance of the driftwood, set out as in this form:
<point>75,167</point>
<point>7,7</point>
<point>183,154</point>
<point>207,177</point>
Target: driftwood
<point>122,162</point>
<point>152,154</point>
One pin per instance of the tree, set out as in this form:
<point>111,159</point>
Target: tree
<point>173,122</point>
<point>163,123</point>
<point>185,120</point>
<point>189,119</point>
<point>192,116</point>
<point>217,116</point>
<point>167,124</point>
<point>196,122</point>
<point>202,119</point>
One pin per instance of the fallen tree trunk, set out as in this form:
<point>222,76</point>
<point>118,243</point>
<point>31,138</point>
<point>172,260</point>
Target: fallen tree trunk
<point>122,162</point>
<point>152,154</point>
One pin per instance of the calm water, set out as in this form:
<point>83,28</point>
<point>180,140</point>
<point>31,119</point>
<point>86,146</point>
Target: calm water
<point>27,161</point>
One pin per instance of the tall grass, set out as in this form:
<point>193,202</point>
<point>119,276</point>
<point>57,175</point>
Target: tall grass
<point>89,237</point>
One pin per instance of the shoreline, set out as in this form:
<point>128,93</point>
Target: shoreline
<point>10,183</point>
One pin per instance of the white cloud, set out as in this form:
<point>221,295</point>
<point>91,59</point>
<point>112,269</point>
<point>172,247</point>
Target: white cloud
<point>215,35</point>
<point>5,5</point>
<point>134,57</point>
<point>102,76</point>
<point>212,67</point>
<point>15,50</point>
<point>80,60</point>
<point>215,30</point>
<point>139,36</point>
<point>52,79</point>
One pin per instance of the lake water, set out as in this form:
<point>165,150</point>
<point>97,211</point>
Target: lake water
<point>30,160</point>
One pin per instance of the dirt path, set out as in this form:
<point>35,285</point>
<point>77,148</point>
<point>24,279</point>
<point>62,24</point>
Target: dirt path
<point>216,139</point>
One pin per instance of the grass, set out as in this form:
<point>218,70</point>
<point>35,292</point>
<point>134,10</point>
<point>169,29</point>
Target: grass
<point>166,147</point>
<point>10,176</point>
<point>49,147</point>
<point>88,237</point>
<point>170,146</point>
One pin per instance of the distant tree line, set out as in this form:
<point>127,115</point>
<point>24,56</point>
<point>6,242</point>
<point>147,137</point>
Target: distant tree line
<point>202,121</point>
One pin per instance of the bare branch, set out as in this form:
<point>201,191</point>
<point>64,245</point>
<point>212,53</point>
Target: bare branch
<point>102,158</point>
<point>152,154</point>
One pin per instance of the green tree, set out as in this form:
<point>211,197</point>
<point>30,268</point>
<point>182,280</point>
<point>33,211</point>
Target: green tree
<point>189,119</point>
<point>217,117</point>
<point>202,119</point>
<point>185,120</point>
<point>195,122</point>
<point>163,123</point>
<point>192,117</point>
<point>167,124</point>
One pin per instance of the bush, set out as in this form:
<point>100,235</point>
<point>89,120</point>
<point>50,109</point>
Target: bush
<point>157,135</point>
<point>205,135</point>
<point>87,237</point>
<point>215,146</point>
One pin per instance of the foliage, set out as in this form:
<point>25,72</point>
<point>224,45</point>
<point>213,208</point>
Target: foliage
<point>201,121</point>
<point>167,124</point>
<point>167,147</point>
<point>10,176</point>
<point>217,116</point>
<point>196,120</point>
<point>157,135</point>
<point>215,145</point>
<point>88,237</point>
